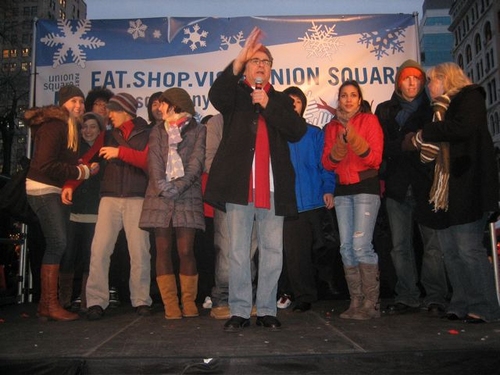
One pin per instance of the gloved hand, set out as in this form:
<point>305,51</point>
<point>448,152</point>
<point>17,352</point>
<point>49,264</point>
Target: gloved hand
<point>339,149</point>
<point>407,144</point>
<point>358,144</point>
<point>428,151</point>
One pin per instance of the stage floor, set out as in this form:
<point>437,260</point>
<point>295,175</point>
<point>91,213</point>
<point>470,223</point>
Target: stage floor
<point>315,342</point>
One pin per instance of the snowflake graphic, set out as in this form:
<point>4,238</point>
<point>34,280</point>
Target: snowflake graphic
<point>384,41</point>
<point>230,43</point>
<point>157,34</point>
<point>195,37</point>
<point>320,41</point>
<point>71,41</point>
<point>137,29</point>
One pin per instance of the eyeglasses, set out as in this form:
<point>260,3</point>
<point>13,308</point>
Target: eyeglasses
<point>259,61</point>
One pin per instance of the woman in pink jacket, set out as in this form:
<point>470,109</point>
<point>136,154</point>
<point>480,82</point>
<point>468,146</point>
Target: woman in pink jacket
<point>353,149</point>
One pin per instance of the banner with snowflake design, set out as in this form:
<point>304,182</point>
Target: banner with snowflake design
<point>143,56</point>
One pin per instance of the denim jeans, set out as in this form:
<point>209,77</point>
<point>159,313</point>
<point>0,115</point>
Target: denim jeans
<point>469,271</point>
<point>220,291</point>
<point>115,214</point>
<point>433,273</point>
<point>240,219</point>
<point>400,217</point>
<point>54,221</point>
<point>356,216</point>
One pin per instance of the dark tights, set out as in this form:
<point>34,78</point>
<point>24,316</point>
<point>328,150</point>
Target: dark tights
<point>185,249</point>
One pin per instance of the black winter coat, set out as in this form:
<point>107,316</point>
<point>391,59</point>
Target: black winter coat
<point>473,170</point>
<point>402,169</point>
<point>229,177</point>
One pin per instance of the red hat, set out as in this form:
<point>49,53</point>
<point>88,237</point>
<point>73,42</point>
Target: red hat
<point>408,72</point>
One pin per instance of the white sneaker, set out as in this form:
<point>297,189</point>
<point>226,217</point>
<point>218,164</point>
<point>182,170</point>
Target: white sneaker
<point>284,302</point>
<point>207,304</point>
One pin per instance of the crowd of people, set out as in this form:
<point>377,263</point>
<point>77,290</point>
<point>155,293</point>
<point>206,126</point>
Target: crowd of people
<point>425,157</point>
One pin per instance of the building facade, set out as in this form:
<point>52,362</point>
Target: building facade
<point>475,25</point>
<point>16,43</point>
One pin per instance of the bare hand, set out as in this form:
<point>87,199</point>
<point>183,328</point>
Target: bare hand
<point>94,169</point>
<point>252,44</point>
<point>329,200</point>
<point>260,97</point>
<point>67,196</point>
<point>109,152</point>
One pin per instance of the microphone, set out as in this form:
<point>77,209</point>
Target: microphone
<point>258,86</point>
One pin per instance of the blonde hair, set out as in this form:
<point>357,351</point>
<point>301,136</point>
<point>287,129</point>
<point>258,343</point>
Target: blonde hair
<point>453,77</point>
<point>73,124</point>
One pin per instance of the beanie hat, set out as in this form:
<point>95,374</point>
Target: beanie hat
<point>180,98</point>
<point>69,91</point>
<point>95,116</point>
<point>123,102</point>
<point>410,71</point>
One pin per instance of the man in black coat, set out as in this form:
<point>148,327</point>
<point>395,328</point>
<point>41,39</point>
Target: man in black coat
<point>252,177</point>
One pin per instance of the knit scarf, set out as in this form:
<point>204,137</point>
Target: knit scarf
<point>440,152</point>
<point>407,108</point>
<point>344,117</point>
<point>175,168</point>
<point>262,158</point>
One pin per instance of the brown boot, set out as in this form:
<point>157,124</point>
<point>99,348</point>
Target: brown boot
<point>65,289</point>
<point>370,285</point>
<point>168,291</point>
<point>189,290</point>
<point>353,278</point>
<point>49,305</point>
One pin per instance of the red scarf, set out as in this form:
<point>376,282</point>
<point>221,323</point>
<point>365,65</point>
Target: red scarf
<point>262,157</point>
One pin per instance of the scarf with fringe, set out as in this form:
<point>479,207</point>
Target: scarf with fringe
<point>440,152</point>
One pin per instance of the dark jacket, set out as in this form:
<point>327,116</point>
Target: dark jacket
<point>402,169</point>
<point>86,195</point>
<point>229,177</point>
<point>121,179</point>
<point>473,185</point>
<point>177,203</point>
<point>52,163</point>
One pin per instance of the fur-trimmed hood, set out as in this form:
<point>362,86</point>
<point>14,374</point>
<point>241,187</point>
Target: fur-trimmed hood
<point>36,116</point>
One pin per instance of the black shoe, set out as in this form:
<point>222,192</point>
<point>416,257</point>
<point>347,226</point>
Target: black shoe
<point>400,308</point>
<point>95,312</point>
<point>473,320</point>
<point>143,310</point>
<point>269,321</point>
<point>236,323</point>
<point>302,307</point>
<point>435,309</point>
<point>452,316</point>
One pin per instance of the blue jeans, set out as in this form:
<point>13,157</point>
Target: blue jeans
<point>400,217</point>
<point>54,220</point>
<point>469,271</point>
<point>220,291</point>
<point>433,274</point>
<point>240,221</point>
<point>356,216</point>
